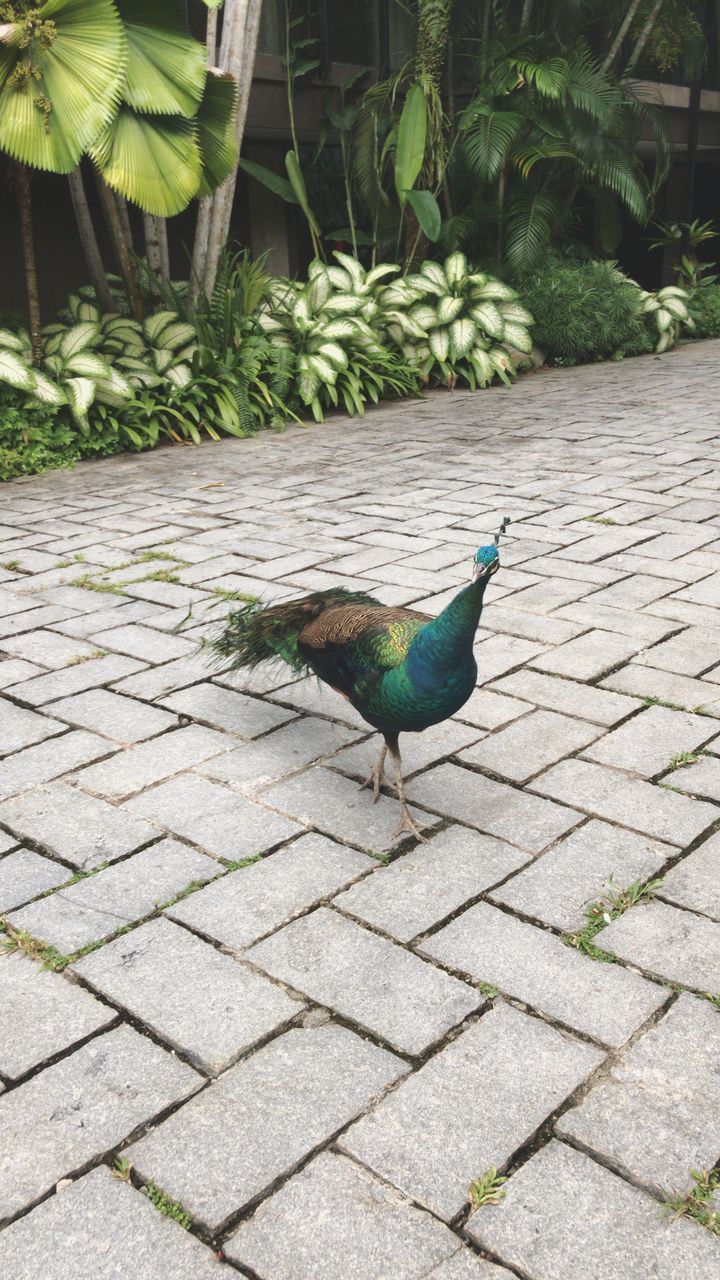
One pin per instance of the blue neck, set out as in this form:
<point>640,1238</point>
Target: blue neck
<point>444,646</point>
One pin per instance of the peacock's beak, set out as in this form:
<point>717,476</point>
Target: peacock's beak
<point>484,570</point>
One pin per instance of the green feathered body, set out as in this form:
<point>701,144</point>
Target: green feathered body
<point>402,670</point>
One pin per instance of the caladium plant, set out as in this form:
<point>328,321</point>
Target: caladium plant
<point>666,312</point>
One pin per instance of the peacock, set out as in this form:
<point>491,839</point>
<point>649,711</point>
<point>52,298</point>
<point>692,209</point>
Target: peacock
<point>402,670</point>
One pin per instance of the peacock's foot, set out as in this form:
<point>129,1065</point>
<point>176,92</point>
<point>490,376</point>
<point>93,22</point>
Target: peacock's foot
<point>376,777</point>
<point>407,825</point>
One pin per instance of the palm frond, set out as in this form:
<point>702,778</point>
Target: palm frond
<point>529,226</point>
<point>488,136</point>
<point>216,131</point>
<point>165,67</point>
<point>152,160</point>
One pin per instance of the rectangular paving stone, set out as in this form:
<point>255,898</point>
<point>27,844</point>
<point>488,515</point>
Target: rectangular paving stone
<point>433,880</point>
<point>631,801</point>
<point>318,699</point>
<point>284,751</point>
<point>561,1212</point>
<point>491,710</point>
<point>338,963</point>
<point>527,746</point>
<point>81,1108</point>
<point>223,709</point>
<point>15,670</point>
<point>254,900</point>
<point>336,805</point>
<point>148,762</point>
<point>627,622</point>
<point>97,907</point>
<point>20,727</point>
<point>222,1150</point>
<point>84,675</point>
<point>125,720</point>
<point>336,1220</point>
<point>101,1228</point>
<point>49,759</point>
<point>432,1152</point>
<point>582,868</point>
<point>499,654</point>
<point>657,1115</point>
<point>668,943</point>
<point>191,996</point>
<point>665,686</point>
<point>24,875</point>
<point>688,653</point>
<point>567,696</point>
<point>77,827</point>
<point>493,807</point>
<point>46,1012</point>
<point>156,682</point>
<point>650,741</point>
<point>705,592</point>
<point>588,656</point>
<point>418,750</point>
<point>693,883</point>
<point>144,643</point>
<point>47,648</point>
<point>7,842</point>
<point>213,816</point>
<point>701,779</point>
<point>533,965</point>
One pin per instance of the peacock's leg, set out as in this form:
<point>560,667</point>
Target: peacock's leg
<point>406,822</point>
<point>377,774</point>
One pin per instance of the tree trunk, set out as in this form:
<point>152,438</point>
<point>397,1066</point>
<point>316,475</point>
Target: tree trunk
<point>623,29</point>
<point>88,240</point>
<point>525,16</point>
<point>24,197</point>
<point>205,206</point>
<point>123,251</point>
<point>644,35</point>
<point>156,252</point>
<point>237,56</point>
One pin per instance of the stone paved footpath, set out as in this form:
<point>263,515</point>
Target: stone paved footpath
<point>311,1041</point>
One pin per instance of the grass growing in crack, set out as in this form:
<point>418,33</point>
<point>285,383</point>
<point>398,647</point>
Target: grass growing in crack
<point>162,555</point>
<point>11,565</point>
<point>35,948</point>
<point>244,862</point>
<point>168,1207</point>
<point>660,702</point>
<point>190,888</point>
<point>160,575</point>
<point>88,583</point>
<point>600,519</point>
<point>696,1204</point>
<point>121,1168</point>
<point>223,593</point>
<point>487,989</point>
<point>684,758</point>
<point>714,999</point>
<point>604,911</point>
<point>487,1189</point>
<point>77,658</point>
<point>68,563</point>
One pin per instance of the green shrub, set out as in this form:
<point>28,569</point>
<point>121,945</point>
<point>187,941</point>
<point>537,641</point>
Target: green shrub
<point>45,437</point>
<point>584,311</point>
<point>705,311</point>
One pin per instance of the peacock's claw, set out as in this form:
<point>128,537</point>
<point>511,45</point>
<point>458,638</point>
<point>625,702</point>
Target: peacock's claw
<point>407,825</point>
<point>376,776</point>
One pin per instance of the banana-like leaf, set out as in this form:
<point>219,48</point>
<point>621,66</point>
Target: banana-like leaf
<point>69,86</point>
<point>216,130</point>
<point>297,182</point>
<point>411,140</point>
<point>427,212</point>
<point>273,181</point>
<point>152,160</point>
<point>165,67</point>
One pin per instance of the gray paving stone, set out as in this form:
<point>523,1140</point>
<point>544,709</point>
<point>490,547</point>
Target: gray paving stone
<point>254,900</point>
<point>601,1000</point>
<point>465,1265</point>
<point>588,656</point>
<point>627,622</point>
<point>7,842</point>
<point>367,979</point>
<point>191,996</point>
<point>657,1115</point>
<point>418,750</point>
<point>214,816</point>
<point>48,760</point>
<point>705,592</point>
<point>101,1228</point>
<point>222,709</point>
<point>567,696</point>
<point>47,648</point>
<point>630,801</point>
<point>493,807</point>
<point>75,1111</point>
<point>693,883</point>
<point>318,699</point>
<point>689,653</point>
<point>24,875</point>
<point>228,1145</point>
<point>430,1151</point>
<point>46,1013</point>
<point>650,741</point>
<point>155,683</point>
<point>676,945</point>
<point>665,686</point>
<point>565,1215</point>
<point>148,762</point>
<point>22,728</point>
<point>527,746</point>
<point>126,720</point>
<point>144,643</point>
<point>426,885</point>
<point>84,675</point>
<point>491,710</point>
<point>15,670</point>
<point>701,779</point>
<point>583,867</point>
<point>100,905</point>
<point>79,828</point>
<point>336,805</point>
<point>335,1220</point>
<point>279,753</point>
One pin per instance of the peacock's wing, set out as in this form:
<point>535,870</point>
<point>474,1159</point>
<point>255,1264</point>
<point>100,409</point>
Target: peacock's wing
<point>355,643</point>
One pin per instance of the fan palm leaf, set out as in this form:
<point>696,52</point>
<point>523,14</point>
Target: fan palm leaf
<point>154,161</point>
<point>59,90</point>
<point>165,66</point>
<point>216,131</point>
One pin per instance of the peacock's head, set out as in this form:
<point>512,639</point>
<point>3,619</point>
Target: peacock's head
<point>485,562</point>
